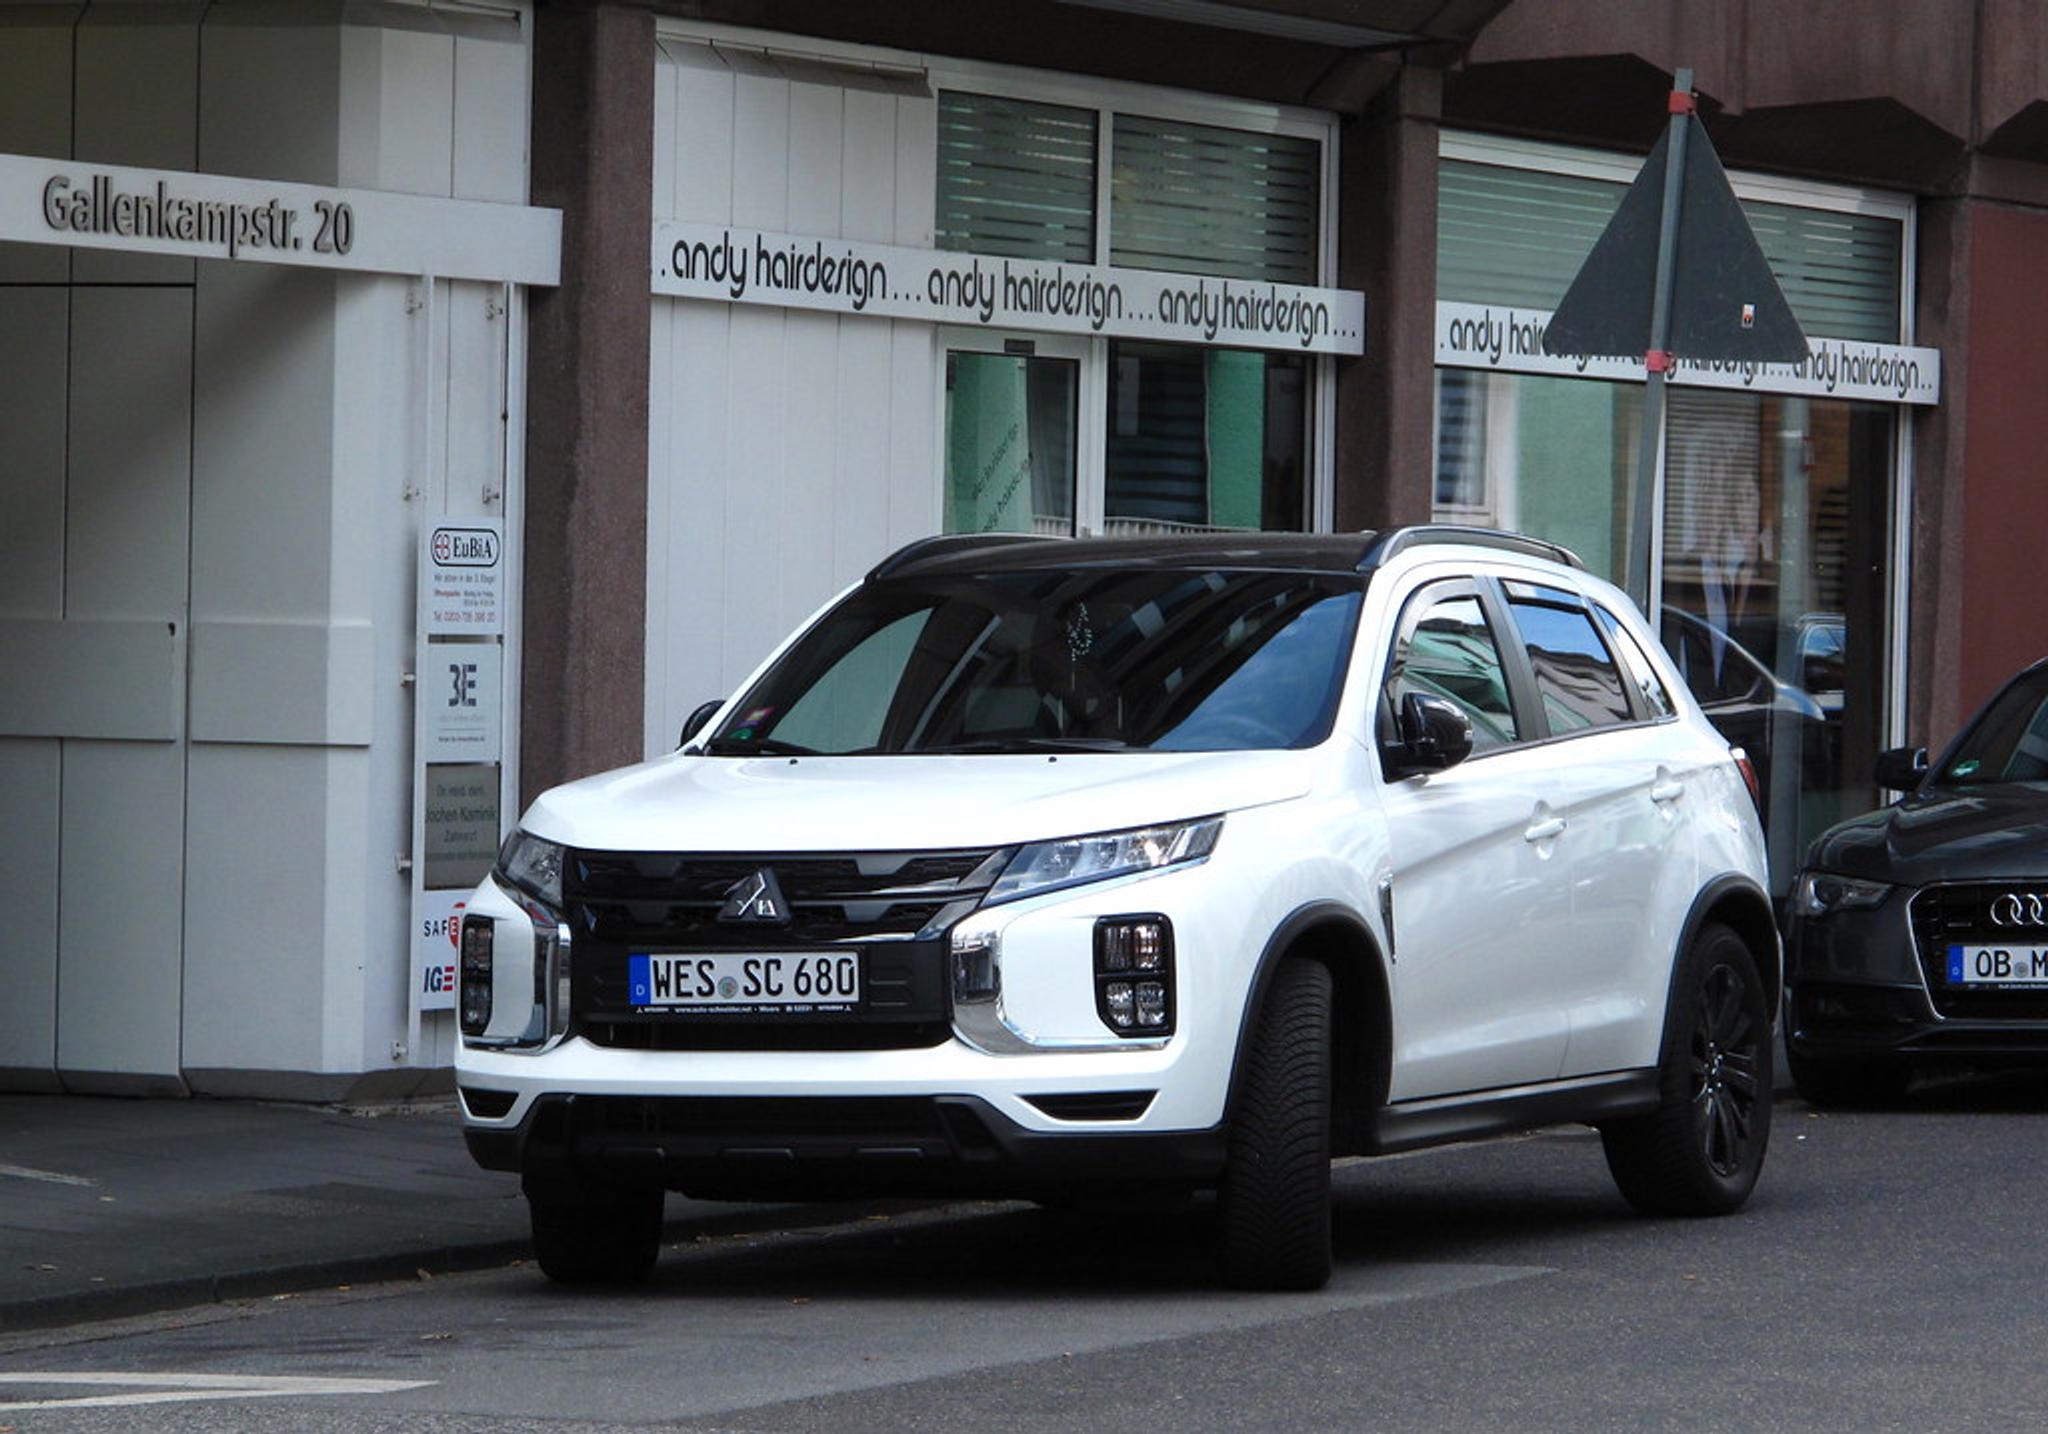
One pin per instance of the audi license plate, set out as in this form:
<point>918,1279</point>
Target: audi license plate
<point>788,982</point>
<point>1998,965</point>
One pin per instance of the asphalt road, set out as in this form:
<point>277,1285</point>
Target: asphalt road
<point>1891,1273</point>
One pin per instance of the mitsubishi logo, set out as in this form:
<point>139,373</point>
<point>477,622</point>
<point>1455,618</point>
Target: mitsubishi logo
<point>2019,908</point>
<point>755,898</point>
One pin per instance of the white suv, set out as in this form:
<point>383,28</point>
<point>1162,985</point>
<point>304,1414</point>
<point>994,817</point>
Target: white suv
<point>1037,867</point>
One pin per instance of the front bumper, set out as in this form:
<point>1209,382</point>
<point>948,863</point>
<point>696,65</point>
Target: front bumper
<point>830,1147</point>
<point>1857,984</point>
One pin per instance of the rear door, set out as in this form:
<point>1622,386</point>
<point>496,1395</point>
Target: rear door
<point>1622,797</point>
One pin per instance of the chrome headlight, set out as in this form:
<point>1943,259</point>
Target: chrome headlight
<point>1049,865</point>
<point>532,865</point>
<point>1819,893</point>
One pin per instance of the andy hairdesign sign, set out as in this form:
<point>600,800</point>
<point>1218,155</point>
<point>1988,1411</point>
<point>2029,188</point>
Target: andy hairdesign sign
<point>846,276</point>
<point>1492,336</point>
<point>214,216</point>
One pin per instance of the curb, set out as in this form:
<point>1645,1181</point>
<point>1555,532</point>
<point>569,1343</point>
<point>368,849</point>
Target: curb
<point>47,1312</point>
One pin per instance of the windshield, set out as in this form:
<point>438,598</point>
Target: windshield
<point>2008,743</point>
<point>1090,660</point>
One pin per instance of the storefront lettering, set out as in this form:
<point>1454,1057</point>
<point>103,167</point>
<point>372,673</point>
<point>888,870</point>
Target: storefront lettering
<point>735,265</point>
<point>1488,336</point>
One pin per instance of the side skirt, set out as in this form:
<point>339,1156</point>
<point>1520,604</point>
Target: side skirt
<point>1415,1124</point>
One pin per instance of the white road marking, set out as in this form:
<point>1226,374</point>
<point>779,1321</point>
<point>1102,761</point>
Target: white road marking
<point>176,1388</point>
<point>23,1172</point>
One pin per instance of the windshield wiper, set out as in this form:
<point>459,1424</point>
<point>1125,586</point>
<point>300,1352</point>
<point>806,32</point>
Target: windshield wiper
<point>757,747</point>
<point>1022,744</point>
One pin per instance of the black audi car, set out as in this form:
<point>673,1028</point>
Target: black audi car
<point>1919,933</point>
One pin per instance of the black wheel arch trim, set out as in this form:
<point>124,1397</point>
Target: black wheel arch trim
<point>1363,1031</point>
<point>1758,926</point>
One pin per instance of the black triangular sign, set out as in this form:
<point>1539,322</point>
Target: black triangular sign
<point>1726,305</point>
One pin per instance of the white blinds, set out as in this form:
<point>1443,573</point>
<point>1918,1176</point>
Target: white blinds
<point>1518,236</point>
<point>1015,178</point>
<point>1197,199</point>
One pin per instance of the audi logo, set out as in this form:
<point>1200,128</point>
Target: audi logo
<point>2019,908</point>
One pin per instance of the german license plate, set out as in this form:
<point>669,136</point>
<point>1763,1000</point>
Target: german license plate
<point>789,982</point>
<point>1998,965</point>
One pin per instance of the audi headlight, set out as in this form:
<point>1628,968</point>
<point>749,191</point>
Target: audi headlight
<point>1050,865</point>
<point>532,865</point>
<point>1819,893</point>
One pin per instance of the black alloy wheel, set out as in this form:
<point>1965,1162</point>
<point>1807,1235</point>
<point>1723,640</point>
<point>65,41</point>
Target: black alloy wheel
<point>1701,1150</point>
<point>1726,1045</point>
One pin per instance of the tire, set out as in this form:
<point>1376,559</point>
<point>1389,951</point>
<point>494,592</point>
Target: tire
<point>1701,1150</point>
<point>1274,1198</point>
<point>586,1233</point>
<point>1849,1083</point>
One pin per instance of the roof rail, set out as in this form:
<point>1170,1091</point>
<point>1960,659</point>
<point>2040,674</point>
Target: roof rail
<point>1399,540</point>
<point>945,544</point>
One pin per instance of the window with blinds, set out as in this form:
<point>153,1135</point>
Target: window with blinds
<point>1199,199</point>
<point>1518,236</point>
<point>1016,178</point>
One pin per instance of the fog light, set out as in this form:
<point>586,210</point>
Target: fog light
<point>1134,945</point>
<point>477,936</point>
<point>1151,1004</point>
<point>1116,997</point>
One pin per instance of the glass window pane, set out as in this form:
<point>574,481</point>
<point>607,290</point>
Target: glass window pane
<point>1010,443</point>
<point>1575,674</point>
<point>1775,581</point>
<point>1551,457</point>
<point>1205,440</point>
<point>1196,199</point>
<point>1015,178</point>
<point>1450,653</point>
<point>1640,672</point>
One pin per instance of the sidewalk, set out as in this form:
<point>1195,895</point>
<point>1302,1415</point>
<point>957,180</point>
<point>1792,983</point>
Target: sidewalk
<point>113,1207</point>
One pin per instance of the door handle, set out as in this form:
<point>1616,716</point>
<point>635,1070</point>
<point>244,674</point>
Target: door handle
<point>1544,830</point>
<point>1669,790</point>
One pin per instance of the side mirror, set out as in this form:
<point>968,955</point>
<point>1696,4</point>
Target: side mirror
<point>1435,734</point>
<point>694,723</point>
<point>1901,769</point>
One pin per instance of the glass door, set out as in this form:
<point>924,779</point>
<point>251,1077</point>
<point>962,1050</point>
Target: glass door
<point>1013,435</point>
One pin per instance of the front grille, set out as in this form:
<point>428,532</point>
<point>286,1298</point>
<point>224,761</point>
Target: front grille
<point>645,898</point>
<point>1961,914</point>
<point>893,907</point>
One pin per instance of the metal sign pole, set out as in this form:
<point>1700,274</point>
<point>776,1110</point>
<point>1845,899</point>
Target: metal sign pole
<point>1643,500</point>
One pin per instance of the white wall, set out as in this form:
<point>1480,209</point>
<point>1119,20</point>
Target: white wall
<point>787,452</point>
<point>203,859</point>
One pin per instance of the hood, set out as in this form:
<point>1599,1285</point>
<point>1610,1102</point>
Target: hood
<point>774,804</point>
<point>1944,834</point>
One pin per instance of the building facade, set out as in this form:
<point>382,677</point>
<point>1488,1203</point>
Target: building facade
<point>654,325</point>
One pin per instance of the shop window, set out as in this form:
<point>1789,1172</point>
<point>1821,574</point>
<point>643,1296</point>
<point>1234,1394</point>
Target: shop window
<point>1204,440</point>
<point>1515,236</point>
<point>1010,443</point>
<point>1775,584</point>
<point>1198,199</point>
<point>1016,178</point>
<point>1548,456</point>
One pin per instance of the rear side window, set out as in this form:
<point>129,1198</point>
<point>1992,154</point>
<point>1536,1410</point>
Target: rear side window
<point>1656,700</point>
<point>1576,676</point>
<point>1448,651</point>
